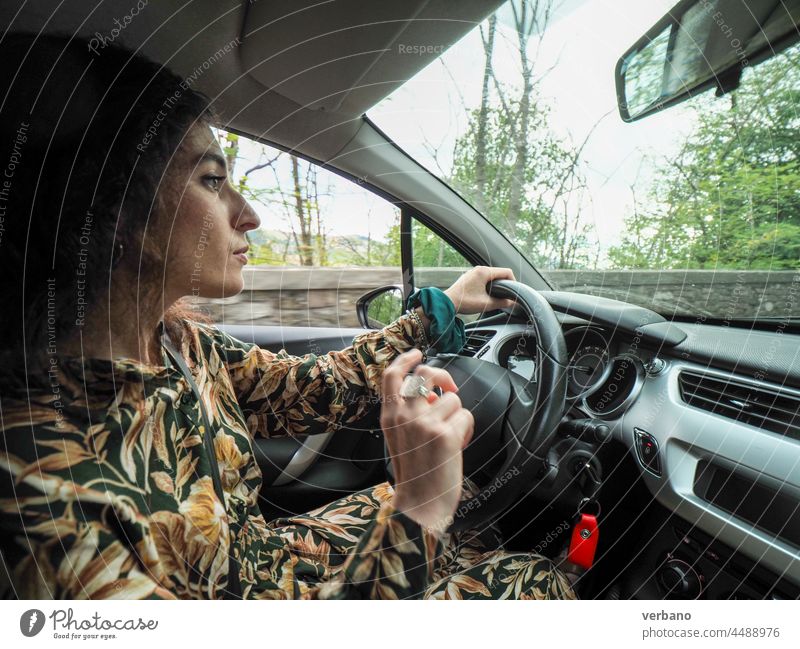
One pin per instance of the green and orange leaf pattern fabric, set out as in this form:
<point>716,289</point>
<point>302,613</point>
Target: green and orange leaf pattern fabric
<point>106,488</point>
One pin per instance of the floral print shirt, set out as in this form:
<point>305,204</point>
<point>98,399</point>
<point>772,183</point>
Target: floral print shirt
<point>106,488</point>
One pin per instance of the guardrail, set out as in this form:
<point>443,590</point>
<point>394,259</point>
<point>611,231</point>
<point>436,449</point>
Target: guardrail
<point>326,296</point>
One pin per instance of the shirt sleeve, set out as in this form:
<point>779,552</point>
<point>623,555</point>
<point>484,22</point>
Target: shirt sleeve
<point>280,394</point>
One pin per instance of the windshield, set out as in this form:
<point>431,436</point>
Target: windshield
<point>693,211</point>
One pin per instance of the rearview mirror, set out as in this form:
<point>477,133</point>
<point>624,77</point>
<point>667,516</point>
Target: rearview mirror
<point>379,307</point>
<point>701,44</point>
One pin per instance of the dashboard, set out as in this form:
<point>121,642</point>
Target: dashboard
<point>604,373</point>
<point>711,418</point>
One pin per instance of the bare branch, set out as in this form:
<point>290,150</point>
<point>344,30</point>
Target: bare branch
<point>269,163</point>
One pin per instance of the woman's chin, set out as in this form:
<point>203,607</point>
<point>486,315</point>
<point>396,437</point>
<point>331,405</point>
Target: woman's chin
<point>232,286</point>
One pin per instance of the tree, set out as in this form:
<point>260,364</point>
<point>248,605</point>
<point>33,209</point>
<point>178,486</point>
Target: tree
<point>530,17</point>
<point>303,216</point>
<point>730,198</point>
<point>510,164</point>
<point>483,114</point>
<point>300,202</point>
<point>535,205</point>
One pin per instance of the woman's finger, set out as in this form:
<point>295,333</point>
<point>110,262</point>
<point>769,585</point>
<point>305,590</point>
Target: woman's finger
<point>463,420</point>
<point>500,273</point>
<point>437,376</point>
<point>499,303</point>
<point>446,405</point>
<point>394,375</point>
<point>468,437</point>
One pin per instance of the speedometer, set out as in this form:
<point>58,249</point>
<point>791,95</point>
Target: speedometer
<point>587,369</point>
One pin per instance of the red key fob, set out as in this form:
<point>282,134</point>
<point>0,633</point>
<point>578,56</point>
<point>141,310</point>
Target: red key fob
<point>583,544</point>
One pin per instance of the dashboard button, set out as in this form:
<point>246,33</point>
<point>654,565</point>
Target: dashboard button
<point>655,366</point>
<point>647,450</point>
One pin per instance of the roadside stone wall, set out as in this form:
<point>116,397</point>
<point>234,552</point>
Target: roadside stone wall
<point>326,297</point>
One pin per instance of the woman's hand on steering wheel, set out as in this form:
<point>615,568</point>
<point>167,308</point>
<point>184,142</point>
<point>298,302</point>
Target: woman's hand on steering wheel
<point>425,438</point>
<point>469,294</point>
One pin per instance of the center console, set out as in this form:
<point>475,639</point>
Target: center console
<point>682,562</point>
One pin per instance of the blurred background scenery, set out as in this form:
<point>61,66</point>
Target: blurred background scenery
<point>673,212</point>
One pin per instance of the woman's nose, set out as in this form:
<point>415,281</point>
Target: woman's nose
<point>246,218</point>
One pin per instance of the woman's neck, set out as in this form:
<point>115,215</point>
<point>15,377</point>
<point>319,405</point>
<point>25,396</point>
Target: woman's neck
<point>120,327</point>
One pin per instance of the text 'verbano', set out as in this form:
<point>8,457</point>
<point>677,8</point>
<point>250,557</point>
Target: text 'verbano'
<point>666,615</point>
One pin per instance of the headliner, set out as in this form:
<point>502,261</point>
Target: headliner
<point>304,71</point>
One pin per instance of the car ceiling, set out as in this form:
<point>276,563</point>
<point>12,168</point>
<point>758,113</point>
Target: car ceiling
<point>305,71</point>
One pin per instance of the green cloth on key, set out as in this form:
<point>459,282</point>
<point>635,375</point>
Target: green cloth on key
<point>447,332</point>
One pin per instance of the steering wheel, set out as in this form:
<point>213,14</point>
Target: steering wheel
<point>515,419</point>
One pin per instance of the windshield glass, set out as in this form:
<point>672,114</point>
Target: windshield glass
<point>693,211</point>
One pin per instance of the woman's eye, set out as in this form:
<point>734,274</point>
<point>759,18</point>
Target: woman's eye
<point>215,183</point>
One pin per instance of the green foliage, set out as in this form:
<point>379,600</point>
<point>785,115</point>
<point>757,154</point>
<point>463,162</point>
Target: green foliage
<point>385,308</point>
<point>264,255</point>
<point>279,249</point>
<point>544,223</point>
<point>431,251</point>
<point>731,197</point>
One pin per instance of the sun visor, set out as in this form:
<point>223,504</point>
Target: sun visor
<point>346,55</point>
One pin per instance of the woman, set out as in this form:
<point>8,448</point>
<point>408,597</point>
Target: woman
<point>126,463</point>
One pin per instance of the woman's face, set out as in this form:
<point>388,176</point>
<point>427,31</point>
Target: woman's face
<point>206,221</point>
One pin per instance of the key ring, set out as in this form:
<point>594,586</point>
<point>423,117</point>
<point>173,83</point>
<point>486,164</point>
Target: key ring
<point>414,387</point>
<point>586,501</point>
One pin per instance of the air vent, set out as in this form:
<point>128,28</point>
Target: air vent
<point>476,339</point>
<point>764,408</point>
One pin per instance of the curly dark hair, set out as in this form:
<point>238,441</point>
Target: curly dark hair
<point>85,139</point>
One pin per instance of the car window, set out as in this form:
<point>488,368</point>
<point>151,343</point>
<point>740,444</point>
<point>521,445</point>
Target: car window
<point>436,262</point>
<point>323,241</point>
<point>692,212</point>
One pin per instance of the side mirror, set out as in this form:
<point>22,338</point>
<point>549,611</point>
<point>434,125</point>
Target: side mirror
<point>380,306</point>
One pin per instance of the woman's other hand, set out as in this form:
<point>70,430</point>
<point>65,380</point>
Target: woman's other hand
<point>425,437</point>
<point>469,295</point>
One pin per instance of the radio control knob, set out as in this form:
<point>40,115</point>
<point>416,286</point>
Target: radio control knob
<point>679,580</point>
